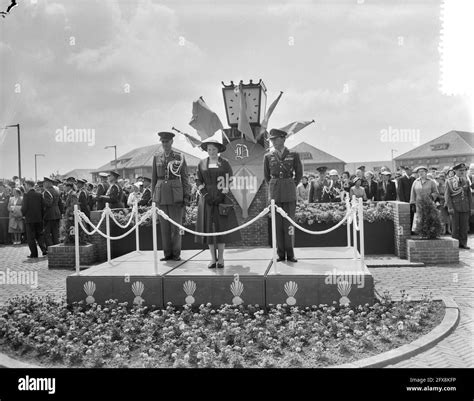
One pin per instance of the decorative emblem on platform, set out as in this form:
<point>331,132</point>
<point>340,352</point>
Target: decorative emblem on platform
<point>241,151</point>
<point>344,288</point>
<point>237,288</point>
<point>89,289</point>
<point>290,288</point>
<point>189,288</point>
<point>137,289</point>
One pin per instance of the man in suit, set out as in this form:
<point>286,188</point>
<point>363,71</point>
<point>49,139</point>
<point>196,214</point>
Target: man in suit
<point>404,189</point>
<point>386,188</point>
<point>114,194</point>
<point>171,192</point>
<point>283,171</point>
<point>102,189</point>
<point>146,196</point>
<point>458,199</point>
<point>52,214</point>
<point>32,210</point>
<point>317,185</point>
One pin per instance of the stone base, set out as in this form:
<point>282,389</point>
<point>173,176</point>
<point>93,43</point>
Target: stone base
<point>323,275</point>
<point>64,256</point>
<point>433,251</point>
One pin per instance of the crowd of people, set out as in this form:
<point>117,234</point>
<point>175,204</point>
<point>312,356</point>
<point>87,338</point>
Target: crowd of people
<point>171,187</point>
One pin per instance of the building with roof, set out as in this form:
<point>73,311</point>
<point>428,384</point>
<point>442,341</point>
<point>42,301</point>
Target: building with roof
<point>138,162</point>
<point>447,150</point>
<point>372,166</point>
<point>78,173</point>
<point>312,158</point>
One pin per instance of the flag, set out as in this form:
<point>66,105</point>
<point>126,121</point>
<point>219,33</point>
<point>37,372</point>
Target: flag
<point>296,126</point>
<point>204,120</point>
<point>263,127</point>
<point>244,125</point>
<point>194,142</point>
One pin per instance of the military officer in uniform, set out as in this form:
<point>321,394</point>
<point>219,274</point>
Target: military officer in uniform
<point>102,189</point>
<point>147,195</point>
<point>52,213</point>
<point>114,194</point>
<point>83,197</point>
<point>171,192</point>
<point>317,185</point>
<point>283,171</point>
<point>458,199</point>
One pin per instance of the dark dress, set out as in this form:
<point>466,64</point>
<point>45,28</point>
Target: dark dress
<point>208,214</point>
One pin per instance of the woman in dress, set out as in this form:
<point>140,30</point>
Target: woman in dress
<point>357,189</point>
<point>135,195</point>
<point>423,187</point>
<point>16,225</point>
<point>213,177</point>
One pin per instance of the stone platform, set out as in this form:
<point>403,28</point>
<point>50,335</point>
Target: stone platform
<point>322,275</point>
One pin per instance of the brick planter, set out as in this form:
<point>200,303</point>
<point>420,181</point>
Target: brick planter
<point>433,251</point>
<point>63,256</point>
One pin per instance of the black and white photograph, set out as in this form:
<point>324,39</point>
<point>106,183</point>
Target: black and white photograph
<point>223,199</point>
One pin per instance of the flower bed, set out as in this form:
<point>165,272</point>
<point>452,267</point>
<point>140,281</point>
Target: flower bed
<point>48,332</point>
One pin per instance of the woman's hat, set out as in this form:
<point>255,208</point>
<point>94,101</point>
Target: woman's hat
<point>138,184</point>
<point>333,172</point>
<point>356,179</point>
<point>386,172</point>
<point>421,168</point>
<point>220,146</point>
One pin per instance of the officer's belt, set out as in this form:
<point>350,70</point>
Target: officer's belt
<point>168,179</point>
<point>282,176</point>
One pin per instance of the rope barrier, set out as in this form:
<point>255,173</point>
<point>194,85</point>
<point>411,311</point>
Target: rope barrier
<point>285,215</point>
<point>96,228</point>
<point>166,217</point>
<point>129,221</point>
<point>82,216</point>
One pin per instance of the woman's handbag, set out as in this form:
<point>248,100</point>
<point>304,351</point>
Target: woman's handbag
<point>225,208</point>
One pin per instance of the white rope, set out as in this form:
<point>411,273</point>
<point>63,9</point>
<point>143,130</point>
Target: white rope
<point>356,222</point>
<point>96,228</point>
<point>132,214</point>
<point>166,217</point>
<point>285,215</point>
<point>82,216</point>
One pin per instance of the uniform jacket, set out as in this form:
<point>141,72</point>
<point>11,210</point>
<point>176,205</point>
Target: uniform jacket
<point>404,188</point>
<point>84,202</point>
<point>316,190</point>
<point>282,174</point>
<point>170,181</point>
<point>32,207</point>
<point>146,198</point>
<point>102,189</point>
<point>51,204</point>
<point>331,191</point>
<point>390,194</point>
<point>114,196</point>
<point>71,200</point>
<point>458,196</point>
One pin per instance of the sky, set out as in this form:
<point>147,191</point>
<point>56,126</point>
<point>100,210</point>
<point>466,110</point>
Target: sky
<point>125,70</point>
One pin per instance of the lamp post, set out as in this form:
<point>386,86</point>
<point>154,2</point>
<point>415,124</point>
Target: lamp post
<point>115,150</point>
<point>393,163</point>
<point>36,169</point>
<point>19,148</point>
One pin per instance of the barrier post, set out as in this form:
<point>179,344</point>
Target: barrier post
<point>274,253</point>
<point>153,223</point>
<point>361,232</point>
<point>107,212</point>
<point>354,230</point>
<point>348,224</point>
<point>76,239</point>
<point>137,231</point>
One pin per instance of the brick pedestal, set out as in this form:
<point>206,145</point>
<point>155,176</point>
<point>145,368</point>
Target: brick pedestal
<point>64,256</point>
<point>433,251</point>
<point>401,227</point>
